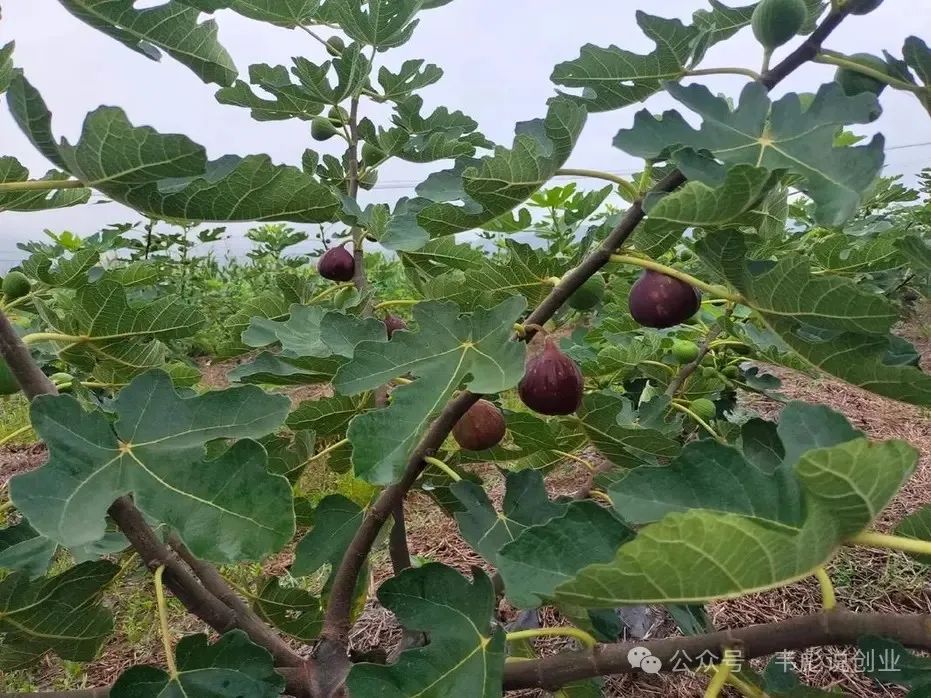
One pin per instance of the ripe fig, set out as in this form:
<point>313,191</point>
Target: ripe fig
<point>393,323</point>
<point>481,427</point>
<point>589,294</point>
<point>775,22</point>
<point>335,46</point>
<point>552,383</point>
<point>703,408</point>
<point>658,300</point>
<point>337,264</point>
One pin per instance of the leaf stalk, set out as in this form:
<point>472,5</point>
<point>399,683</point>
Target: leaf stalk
<point>561,631</point>
<point>163,622</point>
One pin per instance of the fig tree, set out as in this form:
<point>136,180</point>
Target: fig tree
<point>321,128</point>
<point>658,300</point>
<point>393,323</point>
<point>703,408</point>
<point>337,264</point>
<point>552,383</point>
<point>8,384</point>
<point>854,82</point>
<point>15,285</point>
<point>480,428</point>
<point>335,46</point>
<point>589,294</point>
<point>684,351</point>
<point>775,22</point>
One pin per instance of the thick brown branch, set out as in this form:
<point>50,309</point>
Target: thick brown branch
<point>244,617</point>
<point>817,630</point>
<point>24,369</point>
<point>397,543</point>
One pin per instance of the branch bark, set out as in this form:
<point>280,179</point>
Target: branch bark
<point>836,627</point>
<point>332,650</point>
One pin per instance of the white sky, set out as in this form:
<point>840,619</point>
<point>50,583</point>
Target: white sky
<point>497,56</point>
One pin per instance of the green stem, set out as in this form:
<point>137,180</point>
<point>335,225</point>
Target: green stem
<point>598,174</point>
<point>327,291</point>
<point>577,459</point>
<point>328,449</point>
<point>725,70</point>
<point>41,185</point>
<point>707,427</point>
<point>561,631</point>
<point>646,178</point>
<point>52,337</point>
<point>842,61</point>
<point>828,597</point>
<point>163,622</point>
<point>719,291</point>
<point>13,434</point>
<point>767,57</point>
<point>871,539</point>
<point>722,673</point>
<point>454,476</point>
<point>401,301</point>
<point>660,364</point>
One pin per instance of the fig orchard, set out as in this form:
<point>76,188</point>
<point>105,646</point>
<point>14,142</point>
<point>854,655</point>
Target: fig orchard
<point>620,347</point>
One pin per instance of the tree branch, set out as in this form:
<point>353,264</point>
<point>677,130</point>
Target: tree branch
<point>24,369</point>
<point>836,627</point>
<point>332,651</point>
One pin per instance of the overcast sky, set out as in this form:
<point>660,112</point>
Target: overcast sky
<point>497,57</point>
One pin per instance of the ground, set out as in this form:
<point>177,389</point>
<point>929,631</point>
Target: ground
<point>865,580</point>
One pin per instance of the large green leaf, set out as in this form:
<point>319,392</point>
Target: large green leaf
<point>329,415</point>
<point>613,77</point>
<point>273,369</point>
<point>225,508</point>
<point>827,320</point>
<point>413,75</point>
<point>12,171</point>
<point>503,180</point>
<point>6,65</point>
<point>169,176</point>
<point>335,522</point>
<point>890,662</point>
<point>543,556</point>
<point>314,331</point>
<point>448,350</point>
<point>305,99</point>
<point>526,503</point>
<point>284,13</point>
<point>171,27</point>
<point>465,654</point>
<point>613,429</point>
<point>23,549</point>
<point>70,272</point>
<point>701,554</point>
<point>292,610</point>
<point>59,614</point>
<point>383,24</point>
<point>232,666</point>
<point>780,135</point>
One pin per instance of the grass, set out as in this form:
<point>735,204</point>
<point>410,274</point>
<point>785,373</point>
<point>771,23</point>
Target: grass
<point>14,414</point>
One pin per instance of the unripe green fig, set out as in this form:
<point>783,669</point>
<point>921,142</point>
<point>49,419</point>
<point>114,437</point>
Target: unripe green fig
<point>8,384</point>
<point>15,285</point>
<point>589,294</point>
<point>371,154</point>
<point>335,46</point>
<point>854,82</point>
<point>321,128</point>
<point>338,115</point>
<point>369,179</point>
<point>480,428</point>
<point>775,22</point>
<point>63,381</point>
<point>684,351</point>
<point>862,7</point>
<point>731,372</point>
<point>703,408</point>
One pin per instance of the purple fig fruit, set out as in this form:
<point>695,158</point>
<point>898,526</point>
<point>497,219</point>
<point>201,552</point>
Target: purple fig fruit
<point>481,427</point>
<point>552,383</point>
<point>393,323</point>
<point>658,300</point>
<point>337,264</point>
